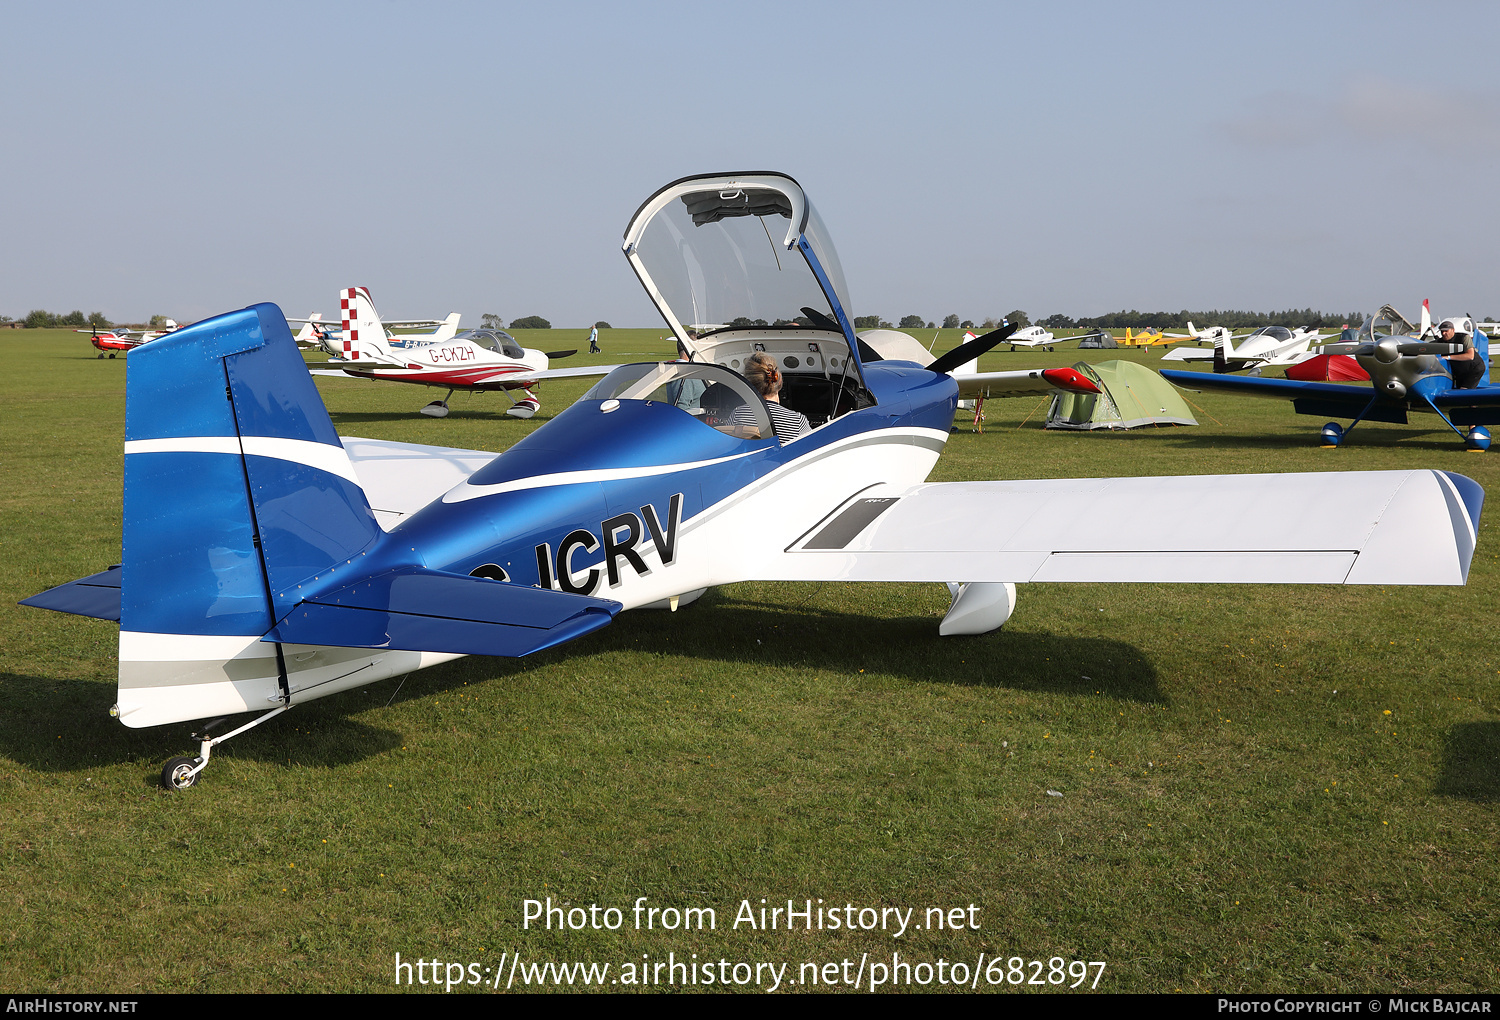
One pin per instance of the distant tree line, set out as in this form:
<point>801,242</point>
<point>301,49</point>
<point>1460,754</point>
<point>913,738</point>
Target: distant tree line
<point>1214,317</point>
<point>907,322</point>
<point>1132,319</point>
<point>489,320</point>
<point>41,319</point>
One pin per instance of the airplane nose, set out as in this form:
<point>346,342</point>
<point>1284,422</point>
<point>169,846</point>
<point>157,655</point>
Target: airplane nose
<point>1387,351</point>
<point>1395,389</point>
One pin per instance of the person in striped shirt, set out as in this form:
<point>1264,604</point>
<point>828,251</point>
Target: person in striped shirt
<point>762,373</point>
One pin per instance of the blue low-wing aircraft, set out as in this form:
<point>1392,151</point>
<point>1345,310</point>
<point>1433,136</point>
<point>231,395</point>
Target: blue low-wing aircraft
<point>267,562</point>
<point>1407,375</point>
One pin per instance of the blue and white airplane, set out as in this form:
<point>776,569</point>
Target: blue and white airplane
<point>267,562</point>
<point>1405,362</point>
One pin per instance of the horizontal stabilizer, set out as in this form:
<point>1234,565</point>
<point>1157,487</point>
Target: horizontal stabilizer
<point>97,595</point>
<point>431,611</point>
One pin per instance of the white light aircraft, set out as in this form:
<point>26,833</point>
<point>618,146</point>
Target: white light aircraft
<point>475,360</point>
<point>1206,335</point>
<point>1269,345</point>
<point>298,565</point>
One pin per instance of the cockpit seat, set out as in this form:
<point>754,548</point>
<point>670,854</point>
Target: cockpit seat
<point>718,403</point>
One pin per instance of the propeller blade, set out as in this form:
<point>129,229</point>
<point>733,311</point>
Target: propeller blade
<point>974,348</point>
<point>1430,348</point>
<point>822,321</point>
<point>561,354</point>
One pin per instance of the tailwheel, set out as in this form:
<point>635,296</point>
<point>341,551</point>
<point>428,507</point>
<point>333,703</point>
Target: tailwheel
<point>178,774</point>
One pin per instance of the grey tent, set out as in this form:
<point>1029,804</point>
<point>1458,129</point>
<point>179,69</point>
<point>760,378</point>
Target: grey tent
<point>1098,342</point>
<point>1131,395</point>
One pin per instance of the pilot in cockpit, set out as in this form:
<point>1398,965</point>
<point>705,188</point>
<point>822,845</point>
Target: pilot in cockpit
<point>761,372</point>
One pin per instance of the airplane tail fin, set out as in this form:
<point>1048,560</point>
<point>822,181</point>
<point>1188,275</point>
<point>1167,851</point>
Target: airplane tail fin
<point>1223,351</point>
<point>305,336</point>
<point>253,572</point>
<point>364,334</point>
<point>1481,350</point>
<point>1426,325</point>
<point>448,330</point>
<point>237,488</point>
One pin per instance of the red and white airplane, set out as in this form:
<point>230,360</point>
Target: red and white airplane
<point>475,360</point>
<point>119,340</point>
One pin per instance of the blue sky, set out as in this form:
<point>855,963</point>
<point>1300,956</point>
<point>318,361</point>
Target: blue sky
<point>187,159</point>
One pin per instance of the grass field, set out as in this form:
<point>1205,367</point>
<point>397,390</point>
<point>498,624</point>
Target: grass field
<point>1262,788</point>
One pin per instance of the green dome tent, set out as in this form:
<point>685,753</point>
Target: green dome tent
<point>1131,395</point>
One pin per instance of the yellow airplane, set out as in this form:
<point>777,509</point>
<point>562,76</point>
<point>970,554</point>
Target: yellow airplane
<point>1146,338</point>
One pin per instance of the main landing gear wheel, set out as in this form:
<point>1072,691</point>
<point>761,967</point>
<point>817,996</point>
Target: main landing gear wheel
<point>178,773</point>
<point>1333,435</point>
<point>111,357</point>
<point>1478,439</point>
<point>436,409</point>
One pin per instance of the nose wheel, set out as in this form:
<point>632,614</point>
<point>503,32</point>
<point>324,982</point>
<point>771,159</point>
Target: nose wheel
<point>438,408</point>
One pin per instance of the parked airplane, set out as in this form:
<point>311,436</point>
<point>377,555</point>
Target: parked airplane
<point>1269,345</point>
<point>314,332</point>
<point>1208,334</point>
<point>1035,336</point>
<point>1145,338</point>
<point>1407,373</point>
<point>120,340</point>
<point>298,565</point>
<point>475,360</point>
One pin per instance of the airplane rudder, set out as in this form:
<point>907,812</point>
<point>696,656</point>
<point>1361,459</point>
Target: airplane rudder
<point>310,510</point>
<point>364,333</point>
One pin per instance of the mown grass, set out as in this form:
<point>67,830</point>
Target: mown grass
<point>1263,788</point>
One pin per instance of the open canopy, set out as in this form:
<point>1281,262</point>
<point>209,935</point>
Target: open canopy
<point>744,250</point>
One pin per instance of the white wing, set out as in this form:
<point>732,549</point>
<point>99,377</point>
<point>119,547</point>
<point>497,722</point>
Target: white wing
<point>580,372</point>
<point>1392,527</point>
<point>401,478</point>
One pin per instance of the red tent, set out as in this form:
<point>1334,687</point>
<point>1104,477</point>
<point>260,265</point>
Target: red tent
<point>1327,368</point>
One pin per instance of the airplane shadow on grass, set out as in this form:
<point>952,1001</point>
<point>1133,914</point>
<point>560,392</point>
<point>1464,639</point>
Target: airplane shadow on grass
<point>1471,763</point>
<point>732,629</point>
<point>1407,438</point>
<point>62,726</point>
